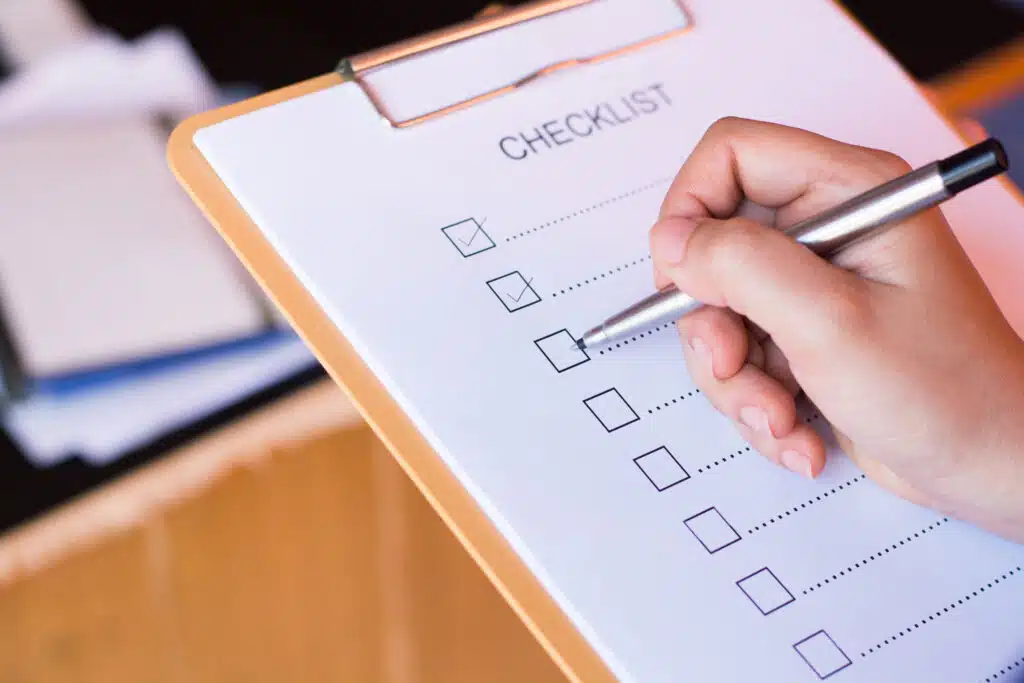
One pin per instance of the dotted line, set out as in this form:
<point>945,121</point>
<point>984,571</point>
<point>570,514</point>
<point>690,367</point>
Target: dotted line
<point>945,610</point>
<point>804,506</point>
<point>722,461</point>
<point>812,417</point>
<point>885,551</point>
<point>648,333</point>
<point>595,207</point>
<point>669,404</point>
<point>601,276</point>
<point>1003,672</point>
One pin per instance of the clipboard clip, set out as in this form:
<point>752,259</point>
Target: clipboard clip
<point>356,68</point>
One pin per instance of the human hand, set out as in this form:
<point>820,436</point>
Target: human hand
<point>897,342</point>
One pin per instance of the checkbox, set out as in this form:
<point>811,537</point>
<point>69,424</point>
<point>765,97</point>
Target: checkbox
<point>469,237</point>
<point>514,291</point>
<point>661,468</point>
<point>766,591</point>
<point>561,351</point>
<point>611,410</point>
<point>711,529</point>
<point>822,654</point>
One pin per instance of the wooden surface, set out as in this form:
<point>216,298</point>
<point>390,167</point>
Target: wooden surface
<point>312,561</point>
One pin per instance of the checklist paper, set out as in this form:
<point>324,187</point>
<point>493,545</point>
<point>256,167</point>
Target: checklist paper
<point>461,257</point>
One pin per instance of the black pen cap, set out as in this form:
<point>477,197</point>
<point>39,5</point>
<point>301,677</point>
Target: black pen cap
<point>974,165</point>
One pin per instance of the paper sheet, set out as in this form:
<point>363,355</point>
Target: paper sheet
<point>32,29</point>
<point>101,425</point>
<point>101,76</point>
<point>99,82</point>
<point>461,270</point>
<point>103,258</point>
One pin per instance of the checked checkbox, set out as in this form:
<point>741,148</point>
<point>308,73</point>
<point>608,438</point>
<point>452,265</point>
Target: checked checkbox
<point>468,237</point>
<point>514,291</point>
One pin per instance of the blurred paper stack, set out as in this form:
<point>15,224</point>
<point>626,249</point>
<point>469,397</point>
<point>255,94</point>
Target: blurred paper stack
<point>123,316</point>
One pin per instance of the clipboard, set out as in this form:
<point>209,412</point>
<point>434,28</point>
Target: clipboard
<point>523,591</point>
<point>489,549</point>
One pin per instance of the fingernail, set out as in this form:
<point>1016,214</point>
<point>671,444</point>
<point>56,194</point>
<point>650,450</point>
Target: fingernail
<point>798,463</point>
<point>754,418</point>
<point>703,353</point>
<point>668,239</point>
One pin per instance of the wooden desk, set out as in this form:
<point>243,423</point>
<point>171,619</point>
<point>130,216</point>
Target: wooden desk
<point>288,547</point>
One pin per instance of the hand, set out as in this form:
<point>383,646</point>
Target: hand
<point>898,343</point>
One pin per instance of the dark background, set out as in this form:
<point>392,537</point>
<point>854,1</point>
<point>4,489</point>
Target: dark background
<point>273,43</point>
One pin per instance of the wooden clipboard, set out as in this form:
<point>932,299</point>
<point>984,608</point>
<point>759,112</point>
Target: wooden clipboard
<point>520,588</point>
<point>489,549</point>
<point>455,506</point>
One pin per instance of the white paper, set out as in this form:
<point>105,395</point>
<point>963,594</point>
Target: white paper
<point>103,258</point>
<point>883,591</point>
<point>32,29</point>
<point>101,76</point>
<point>104,423</point>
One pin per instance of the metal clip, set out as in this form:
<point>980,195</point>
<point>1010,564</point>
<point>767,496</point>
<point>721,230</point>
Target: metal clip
<point>354,68</point>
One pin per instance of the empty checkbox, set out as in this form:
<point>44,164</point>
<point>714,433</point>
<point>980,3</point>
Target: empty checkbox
<point>561,351</point>
<point>514,291</point>
<point>661,468</point>
<point>766,591</point>
<point>822,654</point>
<point>468,237</point>
<point>711,529</point>
<point>611,410</point>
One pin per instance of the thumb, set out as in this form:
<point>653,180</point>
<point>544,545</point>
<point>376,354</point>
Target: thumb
<point>805,303</point>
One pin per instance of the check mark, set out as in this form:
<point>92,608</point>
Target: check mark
<point>518,298</point>
<point>514,291</point>
<point>479,229</point>
<point>471,237</point>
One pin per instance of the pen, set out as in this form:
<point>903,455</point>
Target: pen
<point>833,230</point>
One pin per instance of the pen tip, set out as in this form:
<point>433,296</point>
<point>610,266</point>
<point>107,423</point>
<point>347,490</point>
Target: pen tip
<point>581,345</point>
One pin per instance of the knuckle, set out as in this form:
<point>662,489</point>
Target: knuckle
<point>889,165</point>
<point>727,127</point>
<point>734,245</point>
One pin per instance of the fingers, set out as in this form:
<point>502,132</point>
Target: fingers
<point>762,408</point>
<point>720,339</point>
<point>776,365</point>
<point>796,174</point>
<point>746,377</point>
<point>794,171</point>
<point>730,343</point>
<point>803,302</point>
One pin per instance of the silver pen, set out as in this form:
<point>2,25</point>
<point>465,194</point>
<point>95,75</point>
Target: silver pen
<point>855,219</point>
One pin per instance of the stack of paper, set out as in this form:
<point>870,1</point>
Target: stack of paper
<point>123,316</point>
<point>102,259</point>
